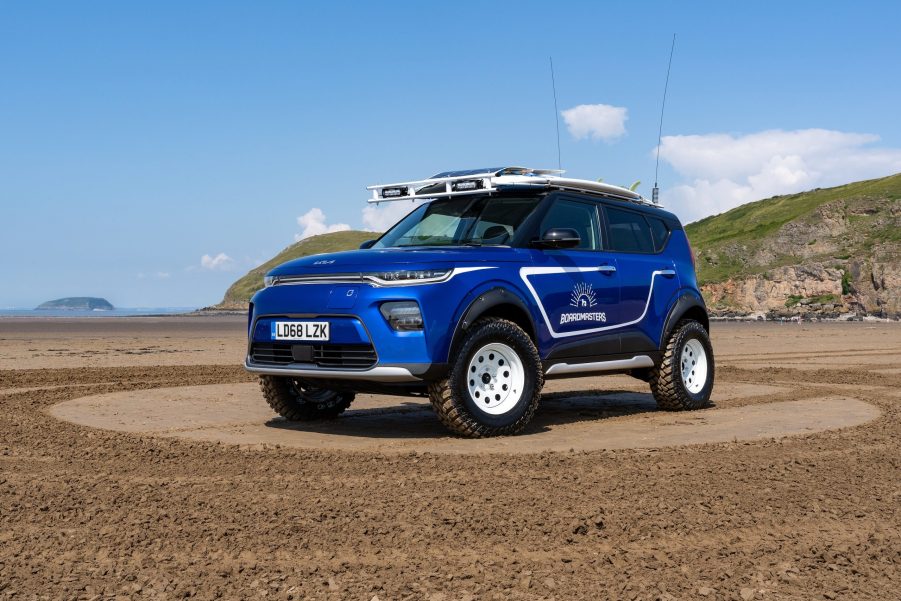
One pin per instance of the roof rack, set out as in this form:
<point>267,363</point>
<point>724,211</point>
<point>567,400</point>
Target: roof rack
<point>496,179</point>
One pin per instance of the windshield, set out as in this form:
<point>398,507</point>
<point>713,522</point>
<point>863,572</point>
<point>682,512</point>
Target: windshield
<point>465,220</point>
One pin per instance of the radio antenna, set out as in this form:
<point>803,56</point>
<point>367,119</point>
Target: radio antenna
<point>655,193</point>
<point>556,112</point>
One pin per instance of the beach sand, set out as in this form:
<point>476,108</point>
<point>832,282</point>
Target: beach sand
<point>401,510</point>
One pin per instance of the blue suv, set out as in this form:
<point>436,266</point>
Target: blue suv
<point>504,278</point>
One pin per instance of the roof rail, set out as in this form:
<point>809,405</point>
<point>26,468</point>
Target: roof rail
<point>495,179</point>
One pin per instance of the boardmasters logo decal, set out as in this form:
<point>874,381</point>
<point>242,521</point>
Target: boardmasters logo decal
<point>583,297</point>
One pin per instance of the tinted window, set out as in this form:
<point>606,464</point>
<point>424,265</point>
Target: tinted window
<point>498,221</point>
<point>461,220</point>
<point>659,232</point>
<point>629,232</point>
<point>578,216</point>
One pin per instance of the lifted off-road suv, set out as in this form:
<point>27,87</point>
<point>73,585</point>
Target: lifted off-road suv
<point>507,277</point>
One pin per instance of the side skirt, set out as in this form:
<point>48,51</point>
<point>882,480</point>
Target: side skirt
<point>574,368</point>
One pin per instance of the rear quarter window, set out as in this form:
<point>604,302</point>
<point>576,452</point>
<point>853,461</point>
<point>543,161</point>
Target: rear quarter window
<point>630,231</point>
<point>659,232</point>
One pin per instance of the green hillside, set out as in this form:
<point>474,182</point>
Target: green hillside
<point>826,252</point>
<point>756,226</point>
<point>239,293</point>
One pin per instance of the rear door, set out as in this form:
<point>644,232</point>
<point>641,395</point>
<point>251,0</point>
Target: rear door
<point>647,275</point>
<point>575,289</point>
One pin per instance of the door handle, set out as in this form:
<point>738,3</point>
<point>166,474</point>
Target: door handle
<point>607,269</point>
<point>668,273</point>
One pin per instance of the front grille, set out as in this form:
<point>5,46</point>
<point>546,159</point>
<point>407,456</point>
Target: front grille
<point>344,355</point>
<point>327,278</point>
<point>359,356</point>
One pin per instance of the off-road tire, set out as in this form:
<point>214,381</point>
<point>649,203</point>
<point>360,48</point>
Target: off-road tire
<point>297,401</point>
<point>451,398</point>
<point>666,381</point>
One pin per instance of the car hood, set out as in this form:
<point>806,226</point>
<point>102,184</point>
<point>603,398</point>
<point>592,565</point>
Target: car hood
<point>400,258</point>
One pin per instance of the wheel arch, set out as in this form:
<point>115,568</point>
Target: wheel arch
<point>495,302</point>
<point>689,304</point>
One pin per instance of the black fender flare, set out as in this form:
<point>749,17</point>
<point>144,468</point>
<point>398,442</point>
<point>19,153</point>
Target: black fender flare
<point>688,300</point>
<point>485,301</point>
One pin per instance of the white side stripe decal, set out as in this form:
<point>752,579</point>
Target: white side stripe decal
<point>525,272</point>
<point>462,270</point>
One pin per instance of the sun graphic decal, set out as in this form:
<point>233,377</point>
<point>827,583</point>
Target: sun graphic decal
<point>583,296</point>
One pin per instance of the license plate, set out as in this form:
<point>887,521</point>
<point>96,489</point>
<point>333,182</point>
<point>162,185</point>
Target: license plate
<point>300,330</point>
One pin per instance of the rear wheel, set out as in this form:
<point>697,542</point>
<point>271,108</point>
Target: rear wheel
<point>494,382</point>
<point>299,400</point>
<point>684,378</point>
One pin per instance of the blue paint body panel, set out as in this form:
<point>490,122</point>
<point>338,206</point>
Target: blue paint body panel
<point>603,300</point>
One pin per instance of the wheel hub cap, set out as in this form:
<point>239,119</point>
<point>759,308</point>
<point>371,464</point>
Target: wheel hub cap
<point>495,378</point>
<point>693,363</point>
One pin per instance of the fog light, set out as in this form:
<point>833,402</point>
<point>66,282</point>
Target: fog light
<point>403,316</point>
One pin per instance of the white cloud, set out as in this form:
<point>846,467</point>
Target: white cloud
<point>221,262</point>
<point>313,224</point>
<point>163,275</point>
<point>378,218</point>
<point>722,171</point>
<point>597,121</point>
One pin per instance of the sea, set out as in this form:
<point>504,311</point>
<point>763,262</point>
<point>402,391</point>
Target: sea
<point>118,312</point>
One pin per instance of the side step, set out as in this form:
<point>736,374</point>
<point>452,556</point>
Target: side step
<point>635,362</point>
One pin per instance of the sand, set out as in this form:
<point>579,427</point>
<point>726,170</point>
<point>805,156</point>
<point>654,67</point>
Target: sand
<point>148,509</point>
<point>234,414</point>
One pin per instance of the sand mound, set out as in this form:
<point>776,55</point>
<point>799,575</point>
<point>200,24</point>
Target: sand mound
<point>237,414</point>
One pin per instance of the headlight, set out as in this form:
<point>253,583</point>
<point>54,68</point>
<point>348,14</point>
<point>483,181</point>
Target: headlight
<point>269,280</point>
<point>403,277</point>
<point>403,316</point>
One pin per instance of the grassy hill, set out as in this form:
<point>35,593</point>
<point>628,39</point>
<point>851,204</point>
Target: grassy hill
<point>834,247</point>
<point>827,251</point>
<point>239,293</point>
<point>757,225</point>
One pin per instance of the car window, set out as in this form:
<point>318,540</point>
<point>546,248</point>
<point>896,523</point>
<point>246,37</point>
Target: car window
<point>498,221</point>
<point>659,232</point>
<point>629,232</point>
<point>461,220</point>
<point>579,216</point>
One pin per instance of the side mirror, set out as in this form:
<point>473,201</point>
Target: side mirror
<point>367,244</point>
<point>559,237</point>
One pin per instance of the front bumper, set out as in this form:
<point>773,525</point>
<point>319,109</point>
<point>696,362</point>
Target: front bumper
<point>379,373</point>
<point>358,331</point>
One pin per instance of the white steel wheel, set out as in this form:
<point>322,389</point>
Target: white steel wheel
<point>693,363</point>
<point>495,378</point>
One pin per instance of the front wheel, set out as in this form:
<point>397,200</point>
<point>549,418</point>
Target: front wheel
<point>300,401</point>
<point>684,378</point>
<point>494,382</point>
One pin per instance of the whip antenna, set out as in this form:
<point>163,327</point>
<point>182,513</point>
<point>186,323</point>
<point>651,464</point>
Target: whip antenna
<point>556,113</point>
<point>655,193</point>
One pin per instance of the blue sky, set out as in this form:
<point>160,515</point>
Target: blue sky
<point>138,138</point>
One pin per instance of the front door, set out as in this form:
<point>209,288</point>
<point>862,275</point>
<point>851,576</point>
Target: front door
<point>576,289</point>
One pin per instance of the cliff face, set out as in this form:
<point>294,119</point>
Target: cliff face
<point>815,288</point>
<point>826,253</point>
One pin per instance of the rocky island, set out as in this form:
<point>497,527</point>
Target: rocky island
<point>77,303</point>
